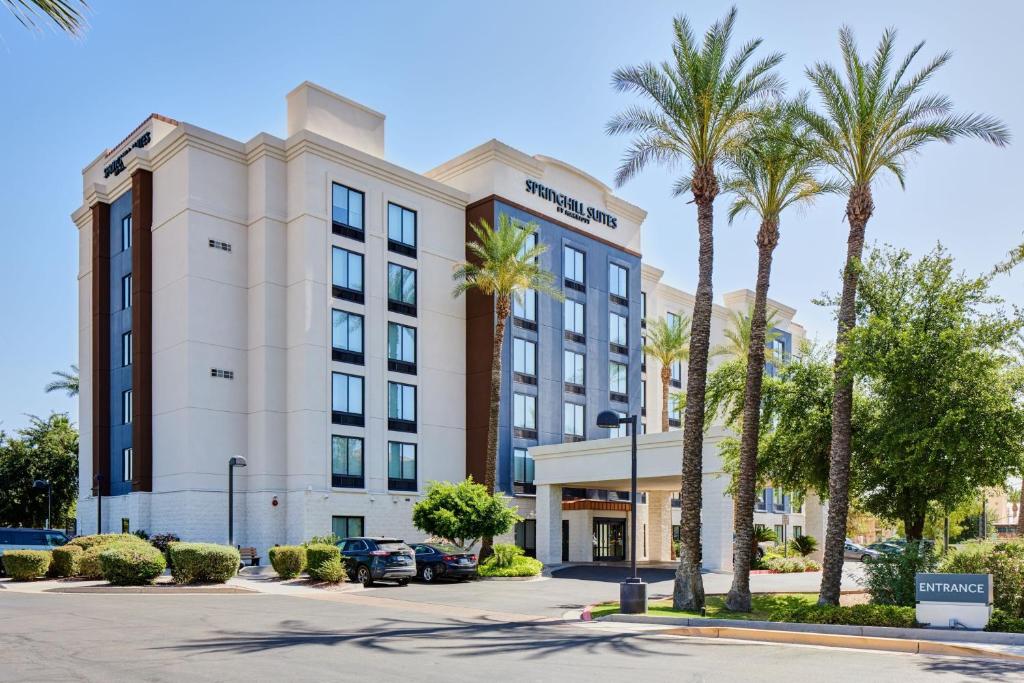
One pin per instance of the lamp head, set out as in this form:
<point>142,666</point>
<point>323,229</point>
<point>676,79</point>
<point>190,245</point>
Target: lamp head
<point>237,461</point>
<point>608,419</point>
<point>40,484</point>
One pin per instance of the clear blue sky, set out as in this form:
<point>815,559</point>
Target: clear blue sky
<point>450,76</point>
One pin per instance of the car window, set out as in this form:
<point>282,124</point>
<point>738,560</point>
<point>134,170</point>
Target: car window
<point>392,546</point>
<point>448,548</point>
<point>358,545</point>
<point>422,549</point>
<point>55,540</point>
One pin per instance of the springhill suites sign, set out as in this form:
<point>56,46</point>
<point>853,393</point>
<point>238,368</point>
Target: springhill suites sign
<point>117,165</point>
<point>573,208</point>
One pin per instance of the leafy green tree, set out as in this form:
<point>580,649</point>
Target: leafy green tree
<point>46,449</point>
<point>66,381</point>
<point>463,513</point>
<point>501,266</point>
<point>699,104</point>
<point>667,344</point>
<point>68,15</point>
<point>873,121</point>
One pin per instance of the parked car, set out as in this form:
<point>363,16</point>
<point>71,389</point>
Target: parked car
<point>434,560</point>
<point>373,559</point>
<point>29,539</point>
<point>855,551</point>
<point>886,548</point>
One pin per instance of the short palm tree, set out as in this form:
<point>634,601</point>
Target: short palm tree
<point>771,172</point>
<point>699,102</point>
<point>739,333</point>
<point>873,121</point>
<point>500,265</point>
<point>68,15</point>
<point>667,343</point>
<point>66,382</point>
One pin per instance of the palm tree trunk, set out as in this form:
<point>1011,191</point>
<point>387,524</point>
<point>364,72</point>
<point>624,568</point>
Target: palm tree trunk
<point>738,599</point>
<point>859,207</point>
<point>688,593</point>
<point>666,377</point>
<point>491,463</point>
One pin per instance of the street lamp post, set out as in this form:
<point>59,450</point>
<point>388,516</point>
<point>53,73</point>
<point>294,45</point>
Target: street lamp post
<point>632,591</point>
<point>99,503</point>
<point>45,484</point>
<point>235,461</point>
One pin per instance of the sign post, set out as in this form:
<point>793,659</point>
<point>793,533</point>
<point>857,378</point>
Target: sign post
<point>953,600</point>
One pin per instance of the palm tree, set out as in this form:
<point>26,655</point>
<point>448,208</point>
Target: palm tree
<point>740,331</point>
<point>699,101</point>
<point>771,172</point>
<point>872,122</point>
<point>66,381</point>
<point>68,15</point>
<point>668,344</point>
<point>501,266</point>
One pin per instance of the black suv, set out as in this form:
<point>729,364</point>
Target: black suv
<point>370,559</point>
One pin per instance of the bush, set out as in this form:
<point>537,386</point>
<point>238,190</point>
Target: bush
<point>462,513</point>
<point>86,542</point>
<point>26,565</point>
<point>1005,562</point>
<point>162,541</point>
<point>89,566</point>
<point>790,565</point>
<point>520,566</point>
<point>505,554</point>
<point>856,615</point>
<point>141,533</point>
<point>1004,623</point>
<point>319,554</point>
<point>890,578</point>
<point>330,539</point>
<point>288,560</point>
<point>804,545</point>
<point>331,571</point>
<point>64,561</point>
<point>203,562</point>
<point>129,564</point>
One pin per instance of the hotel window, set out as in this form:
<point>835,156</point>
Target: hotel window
<point>401,348</point>
<point>778,498</point>
<point>126,349</point>
<point>675,412</point>
<point>524,307</point>
<point>529,242</point>
<point>643,397</point>
<point>573,268</point>
<point>126,464</point>
<point>676,374</point>
<point>574,328</point>
<point>524,360</point>
<point>573,428</point>
<point>347,399</point>
<point>401,289</point>
<point>524,415</point>
<point>522,465</point>
<point>401,407</point>
<point>760,500</point>
<point>346,526</point>
<point>126,407</point>
<point>401,466</point>
<point>347,211</point>
<point>126,233</point>
<point>617,332</point>
<point>573,368</point>
<point>401,230</point>
<point>346,462</point>
<point>780,534</point>
<point>672,319</point>
<point>347,275</point>
<point>617,381</point>
<point>126,291</point>
<point>347,337</point>
<point>621,430</point>
<point>525,533</point>
<point>643,307</point>
<point>617,282</point>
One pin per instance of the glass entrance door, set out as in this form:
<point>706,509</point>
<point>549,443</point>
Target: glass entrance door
<point>609,540</point>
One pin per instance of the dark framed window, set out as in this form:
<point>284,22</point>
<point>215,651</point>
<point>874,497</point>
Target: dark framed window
<point>127,408</point>
<point>401,230</point>
<point>530,241</point>
<point>401,407</point>
<point>126,464</point>
<point>345,526</point>
<point>672,319</point>
<point>676,374</point>
<point>618,287</point>
<point>524,309</point>
<point>526,536</point>
<point>524,415</point>
<point>401,466</point>
<point>522,470</point>
<point>524,360</point>
<point>574,320</point>
<point>617,333</point>
<point>347,462</point>
<point>573,268</point>
<point>401,289</point>
<point>126,233</point>
<point>347,399</point>
<point>574,368</point>
<point>617,389</point>
<point>574,427</point>
<point>126,291</point>
<point>347,211</point>
<point>401,348</point>
<point>347,337</point>
<point>643,309</point>
<point>126,349</point>
<point>347,274</point>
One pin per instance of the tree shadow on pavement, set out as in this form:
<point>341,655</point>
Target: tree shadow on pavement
<point>978,669</point>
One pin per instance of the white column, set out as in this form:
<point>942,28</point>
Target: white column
<point>659,526</point>
<point>716,523</point>
<point>549,524</point>
<point>815,522</point>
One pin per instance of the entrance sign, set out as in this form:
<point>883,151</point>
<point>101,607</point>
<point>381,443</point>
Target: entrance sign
<point>953,600</point>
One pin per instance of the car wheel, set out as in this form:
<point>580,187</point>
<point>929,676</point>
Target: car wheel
<point>429,574</point>
<point>403,582</point>
<point>865,558</point>
<point>364,576</point>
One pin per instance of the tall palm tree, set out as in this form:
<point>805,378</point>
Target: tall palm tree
<point>698,103</point>
<point>500,265</point>
<point>66,381</point>
<point>68,15</point>
<point>873,121</point>
<point>740,331</point>
<point>667,344</point>
<point>771,172</point>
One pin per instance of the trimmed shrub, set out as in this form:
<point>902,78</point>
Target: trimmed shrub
<point>26,565</point>
<point>890,578</point>
<point>803,545</point>
<point>331,571</point>
<point>86,542</point>
<point>520,566</point>
<point>162,541</point>
<point>790,565</point>
<point>203,562</point>
<point>1005,562</point>
<point>317,554</point>
<point>288,560</point>
<point>855,615</point>
<point>505,554</point>
<point>64,561</point>
<point>130,564</point>
<point>1004,623</point>
<point>330,539</point>
<point>89,566</point>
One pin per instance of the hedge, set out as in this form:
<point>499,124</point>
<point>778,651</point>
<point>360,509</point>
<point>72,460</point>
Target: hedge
<point>89,566</point>
<point>64,561</point>
<point>332,570</point>
<point>520,566</point>
<point>93,540</point>
<point>855,615</point>
<point>1004,561</point>
<point>790,565</point>
<point>130,564</point>
<point>288,560</point>
<point>316,555</point>
<point>1004,623</point>
<point>26,565</point>
<point>203,562</point>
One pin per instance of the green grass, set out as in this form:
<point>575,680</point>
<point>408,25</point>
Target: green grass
<point>763,606</point>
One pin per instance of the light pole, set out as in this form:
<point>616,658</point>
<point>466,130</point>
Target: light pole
<point>45,484</point>
<point>235,461</point>
<point>99,503</point>
<point>632,591</point>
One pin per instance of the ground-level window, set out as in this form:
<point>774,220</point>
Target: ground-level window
<point>798,531</point>
<point>526,536</point>
<point>347,527</point>
<point>780,533</point>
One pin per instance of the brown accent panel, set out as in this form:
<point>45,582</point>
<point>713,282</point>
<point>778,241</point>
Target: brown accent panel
<point>142,331</point>
<point>100,360</point>
<point>495,197</point>
<point>605,505</point>
<point>479,349</point>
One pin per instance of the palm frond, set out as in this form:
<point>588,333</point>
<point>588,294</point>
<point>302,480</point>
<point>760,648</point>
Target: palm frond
<point>67,15</point>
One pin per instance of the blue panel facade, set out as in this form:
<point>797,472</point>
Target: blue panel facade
<point>550,342</point>
<point>120,322</point>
